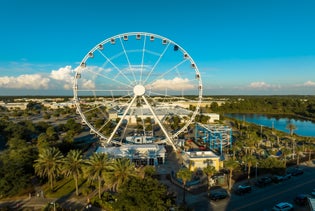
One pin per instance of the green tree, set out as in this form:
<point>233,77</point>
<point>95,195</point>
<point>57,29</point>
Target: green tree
<point>237,146</point>
<point>143,194</point>
<point>42,141</point>
<point>97,167</point>
<point>73,166</point>
<point>16,164</point>
<point>49,164</point>
<point>185,175</point>
<point>51,133</point>
<point>121,170</point>
<point>298,151</point>
<point>209,171</point>
<point>214,106</point>
<point>291,127</point>
<point>146,171</point>
<point>285,151</point>
<point>310,148</point>
<point>231,165</point>
<point>250,160</point>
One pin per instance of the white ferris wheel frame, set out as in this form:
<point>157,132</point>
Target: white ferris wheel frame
<point>139,89</point>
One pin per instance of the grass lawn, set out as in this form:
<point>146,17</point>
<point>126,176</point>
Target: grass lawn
<point>63,187</point>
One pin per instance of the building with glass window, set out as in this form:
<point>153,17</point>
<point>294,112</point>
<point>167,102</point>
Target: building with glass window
<point>140,154</point>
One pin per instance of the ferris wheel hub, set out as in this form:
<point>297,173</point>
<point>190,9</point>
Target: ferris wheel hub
<point>139,90</point>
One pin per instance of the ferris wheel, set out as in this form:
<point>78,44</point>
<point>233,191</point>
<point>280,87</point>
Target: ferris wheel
<point>137,83</point>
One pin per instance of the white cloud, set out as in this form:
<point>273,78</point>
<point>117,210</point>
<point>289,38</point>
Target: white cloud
<point>88,84</point>
<point>62,74</point>
<point>31,81</point>
<point>56,79</point>
<point>63,77</point>
<point>309,83</point>
<point>174,84</point>
<point>262,85</point>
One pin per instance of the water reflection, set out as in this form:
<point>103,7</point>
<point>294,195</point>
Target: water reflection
<point>303,127</point>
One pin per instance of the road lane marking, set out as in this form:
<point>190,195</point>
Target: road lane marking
<point>271,196</point>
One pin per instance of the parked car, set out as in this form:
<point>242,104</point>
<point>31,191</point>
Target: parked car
<point>280,178</point>
<point>296,172</point>
<point>287,176</point>
<point>262,182</point>
<point>277,178</point>
<point>218,194</point>
<point>301,199</point>
<point>313,192</point>
<point>242,189</point>
<point>282,206</point>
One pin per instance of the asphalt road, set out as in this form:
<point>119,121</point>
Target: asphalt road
<point>265,198</point>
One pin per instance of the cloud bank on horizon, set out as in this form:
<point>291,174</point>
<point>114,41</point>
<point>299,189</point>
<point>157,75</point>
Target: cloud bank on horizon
<point>62,79</point>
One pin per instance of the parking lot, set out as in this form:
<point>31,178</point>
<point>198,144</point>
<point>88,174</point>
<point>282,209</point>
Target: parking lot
<point>264,198</point>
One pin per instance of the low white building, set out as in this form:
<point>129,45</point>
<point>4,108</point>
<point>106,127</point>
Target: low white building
<point>140,154</point>
<point>55,105</point>
<point>11,106</point>
<point>213,117</point>
<point>160,111</point>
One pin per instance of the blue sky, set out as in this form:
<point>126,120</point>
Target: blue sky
<point>262,47</point>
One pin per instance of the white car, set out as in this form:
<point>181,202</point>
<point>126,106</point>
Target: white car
<point>313,192</point>
<point>283,206</point>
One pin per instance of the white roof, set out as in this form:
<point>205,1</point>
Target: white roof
<point>311,202</point>
<point>126,150</point>
<point>202,154</point>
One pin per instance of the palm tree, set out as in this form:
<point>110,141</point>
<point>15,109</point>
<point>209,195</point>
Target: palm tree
<point>209,171</point>
<point>97,167</point>
<point>298,150</point>
<point>236,147</point>
<point>285,151</point>
<point>121,170</point>
<point>249,146</point>
<point>309,148</point>
<point>73,165</point>
<point>231,165</point>
<point>146,171</point>
<point>184,174</point>
<point>291,128</point>
<point>49,164</point>
<point>250,161</point>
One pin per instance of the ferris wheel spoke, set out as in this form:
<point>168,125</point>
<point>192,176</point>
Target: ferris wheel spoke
<point>167,72</point>
<point>156,63</point>
<point>101,128</point>
<point>121,119</point>
<point>122,99</point>
<point>159,94</point>
<point>142,58</point>
<point>103,90</point>
<point>109,78</point>
<point>159,123</point>
<point>92,109</point>
<point>127,58</point>
<point>119,70</point>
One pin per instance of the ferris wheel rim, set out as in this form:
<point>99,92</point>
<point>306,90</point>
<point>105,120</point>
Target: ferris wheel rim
<point>141,92</point>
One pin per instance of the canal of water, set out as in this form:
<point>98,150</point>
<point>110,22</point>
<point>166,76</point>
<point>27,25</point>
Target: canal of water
<point>303,127</point>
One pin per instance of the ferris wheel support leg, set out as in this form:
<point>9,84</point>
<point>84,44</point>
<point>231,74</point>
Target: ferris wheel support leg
<point>120,121</point>
<point>160,124</point>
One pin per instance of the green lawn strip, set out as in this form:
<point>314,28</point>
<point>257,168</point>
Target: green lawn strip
<point>63,187</point>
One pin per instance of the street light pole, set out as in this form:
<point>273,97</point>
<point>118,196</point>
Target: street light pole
<point>54,204</point>
<point>256,172</point>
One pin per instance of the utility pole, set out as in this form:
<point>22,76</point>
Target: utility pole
<point>256,171</point>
